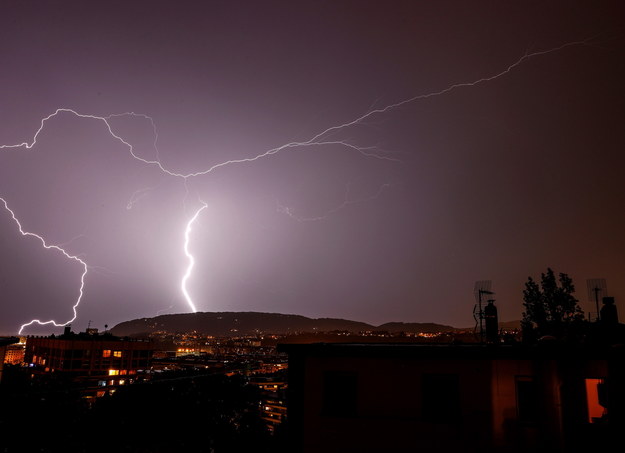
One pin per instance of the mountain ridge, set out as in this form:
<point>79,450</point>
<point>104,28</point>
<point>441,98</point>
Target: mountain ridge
<point>250,322</point>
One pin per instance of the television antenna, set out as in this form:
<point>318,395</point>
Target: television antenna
<point>481,288</point>
<point>596,287</point>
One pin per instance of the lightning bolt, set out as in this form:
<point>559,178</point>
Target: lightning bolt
<point>58,249</point>
<point>318,140</point>
<point>137,196</point>
<point>187,233</point>
<point>450,88</point>
<point>365,151</point>
<point>346,202</point>
<point>150,119</point>
<point>163,310</point>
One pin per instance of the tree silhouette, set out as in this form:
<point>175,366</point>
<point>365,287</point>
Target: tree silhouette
<point>550,308</point>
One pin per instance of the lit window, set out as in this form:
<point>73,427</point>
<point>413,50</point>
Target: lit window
<point>106,353</point>
<point>113,372</point>
<point>596,400</point>
<point>117,353</point>
<point>123,372</point>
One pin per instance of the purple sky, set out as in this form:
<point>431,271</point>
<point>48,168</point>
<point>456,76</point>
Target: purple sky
<point>494,181</point>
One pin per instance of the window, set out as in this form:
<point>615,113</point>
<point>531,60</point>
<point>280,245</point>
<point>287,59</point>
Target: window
<point>113,372</point>
<point>527,399</point>
<point>106,353</point>
<point>597,400</point>
<point>440,398</point>
<point>117,353</point>
<point>340,394</point>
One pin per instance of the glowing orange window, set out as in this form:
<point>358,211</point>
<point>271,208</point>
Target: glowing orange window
<point>596,397</point>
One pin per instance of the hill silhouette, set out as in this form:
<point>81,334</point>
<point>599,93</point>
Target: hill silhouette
<point>250,323</point>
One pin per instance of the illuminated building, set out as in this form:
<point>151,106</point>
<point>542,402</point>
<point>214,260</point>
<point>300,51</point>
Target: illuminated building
<point>273,411</point>
<point>273,400</point>
<point>15,352</point>
<point>407,397</point>
<point>4,342</point>
<point>98,362</point>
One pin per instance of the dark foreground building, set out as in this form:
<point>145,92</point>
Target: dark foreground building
<point>407,397</point>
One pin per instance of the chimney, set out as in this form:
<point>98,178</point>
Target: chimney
<point>492,322</point>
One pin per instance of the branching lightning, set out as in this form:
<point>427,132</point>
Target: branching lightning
<point>67,255</point>
<point>346,202</point>
<point>314,142</point>
<point>187,233</point>
<point>525,57</point>
<point>318,140</point>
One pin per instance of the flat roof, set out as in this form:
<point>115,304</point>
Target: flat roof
<point>549,350</point>
<point>8,340</point>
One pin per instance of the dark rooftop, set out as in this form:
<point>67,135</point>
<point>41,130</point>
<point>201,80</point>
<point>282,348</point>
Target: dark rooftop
<point>547,349</point>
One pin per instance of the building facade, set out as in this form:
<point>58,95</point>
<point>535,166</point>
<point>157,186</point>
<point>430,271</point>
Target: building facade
<point>15,352</point>
<point>371,398</point>
<point>99,363</point>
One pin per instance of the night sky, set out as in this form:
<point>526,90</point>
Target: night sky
<point>392,218</point>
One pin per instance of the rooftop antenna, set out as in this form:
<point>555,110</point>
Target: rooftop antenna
<point>597,288</point>
<point>481,288</point>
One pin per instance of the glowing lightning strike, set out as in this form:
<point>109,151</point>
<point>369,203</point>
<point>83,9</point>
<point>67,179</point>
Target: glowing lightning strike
<point>105,119</point>
<point>314,141</point>
<point>187,274</point>
<point>318,140</point>
<point>67,255</point>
